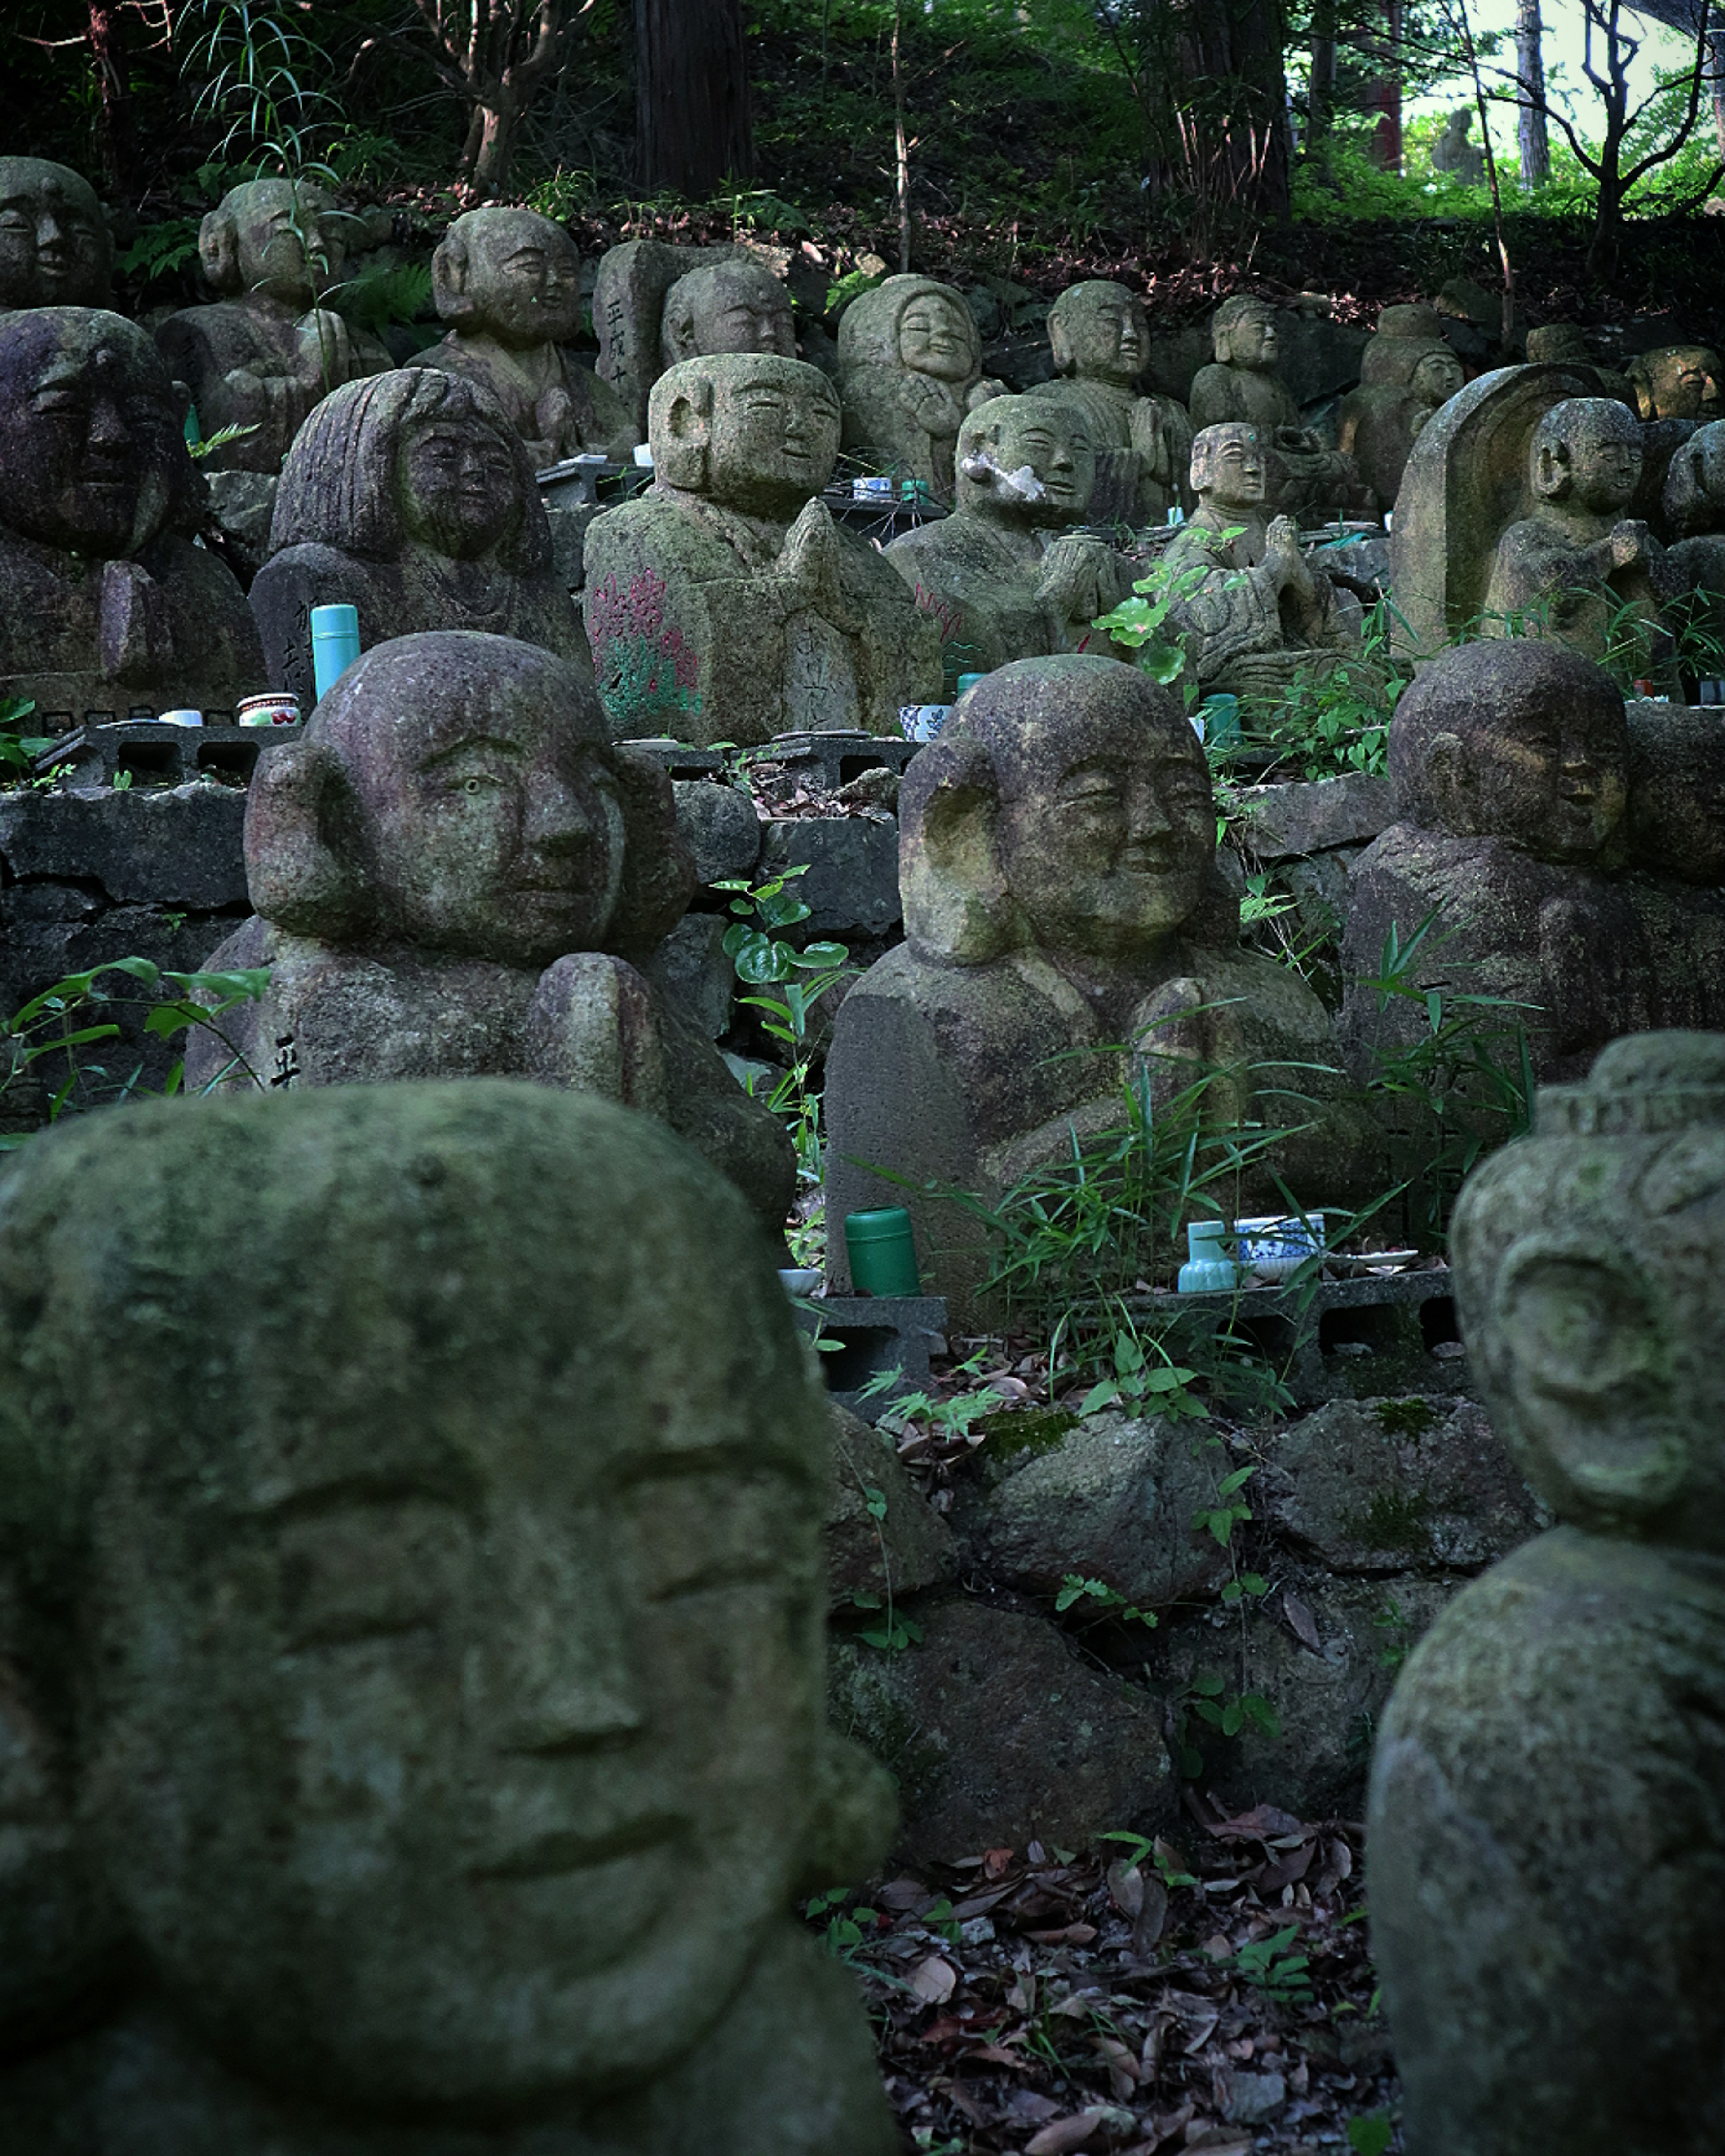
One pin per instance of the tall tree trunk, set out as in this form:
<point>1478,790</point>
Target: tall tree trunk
<point>496,144</point>
<point>1384,94</point>
<point>1531,138</point>
<point>691,94</point>
<point>1321,104</point>
<point>1715,76</point>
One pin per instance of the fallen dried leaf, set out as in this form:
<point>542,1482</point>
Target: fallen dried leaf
<point>934,1981</point>
<point>1069,1935</point>
<point>1061,2134</point>
<point>1301,1622</point>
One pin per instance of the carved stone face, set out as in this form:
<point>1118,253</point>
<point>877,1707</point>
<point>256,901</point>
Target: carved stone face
<point>487,820</point>
<point>53,244</point>
<point>1107,332</point>
<point>1684,383</point>
<point>523,276</point>
<point>1589,451</point>
<point>457,478</point>
<point>92,439</point>
<point>1437,378</point>
<point>937,337</point>
<point>288,241</point>
<point>1254,341</point>
<point>1559,784</point>
<point>1013,433</point>
<point>774,433</point>
<point>732,306</point>
<point>1229,468</point>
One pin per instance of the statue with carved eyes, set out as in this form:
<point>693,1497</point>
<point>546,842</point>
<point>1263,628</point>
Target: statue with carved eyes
<point>413,1733</point>
<point>455,875</point>
<point>106,603</point>
<point>1547,1815</point>
<point>411,498</point>
<point>1067,932</point>
<point>1100,335</point>
<point>55,250</point>
<point>727,307</point>
<point>266,353</point>
<point>1677,382</point>
<point>725,604</point>
<point>1407,372</point>
<point>910,367</point>
<point>508,283</point>
<point>1240,386</point>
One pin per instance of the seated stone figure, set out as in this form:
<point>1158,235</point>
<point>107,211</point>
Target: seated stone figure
<point>1571,568</point>
<point>1406,372</point>
<point>507,282</point>
<point>1061,903</point>
<point>910,367</point>
<point>266,353</point>
<point>106,605</point>
<point>1255,613</point>
<point>413,1713</point>
<point>55,246</point>
<point>1565,344</point>
<point>726,306</point>
<point>411,498</point>
<point>1678,382</point>
<point>1241,384</point>
<point>1453,153</point>
<point>1100,338</point>
<point>1692,507</point>
<point>1003,579</point>
<point>456,876</point>
<point>724,604</point>
<point>1510,765</point>
<point>1545,1818</point>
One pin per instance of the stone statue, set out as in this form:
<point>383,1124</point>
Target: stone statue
<point>1677,382</point>
<point>724,604</point>
<point>999,572</point>
<point>54,247</point>
<point>1548,1843</point>
<point>1255,615</point>
<point>1572,567</point>
<point>1693,505</point>
<point>1511,764</point>
<point>629,291</point>
<point>1101,337</point>
<point>1453,153</point>
<point>727,307</point>
<point>456,876</point>
<point>1566,344</point>
<point>414,1716</point>
<point>1676,821</point>
<point>1057,853</point>
<point>1241,383</point>
<point>106,605</point>
<point>507,282</point>
<point>264,354</point>
<point>910,367</point>
<point>1406,372</point>
<point>411,498</point>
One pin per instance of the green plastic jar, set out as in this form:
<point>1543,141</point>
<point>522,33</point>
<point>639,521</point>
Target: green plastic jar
<point>883,1258</point>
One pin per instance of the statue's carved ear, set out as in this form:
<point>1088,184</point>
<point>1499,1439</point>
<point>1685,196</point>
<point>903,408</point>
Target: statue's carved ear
<point>1551,471</point>
<point>448,282</point>
<point>1061,344</point>
<point>219,250</point>
<point>957,905</point>
<point>301,835</point>
<point>658,878</point>
<point>1448,775</point>
<point>681,458</point>
<point>677,334</point>
<point>1584,1357</point>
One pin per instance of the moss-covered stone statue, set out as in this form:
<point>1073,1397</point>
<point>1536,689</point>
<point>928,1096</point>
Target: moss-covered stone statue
<point>1692,507</point>
<point>999,572</point>
<point>413,1723</point>
<point>1100,335</point>
<point>55,250</point>
<point>1241,385</point>
<point>1565,343</point>
<point>410,498</point>
<point>1577,568</point>
<point>265,353</point>
<point>1057,866</point>
<point>725,604</point>
<point>457,877</point>
<point>1547,1818</point>
<point>1255,615</point>
<point>1407,372</point>
<point>910,367</point>
<point>508,284</point>
<point>738,305</point>
<point>1678,382</point>
<point>106,603</point>
<point>1453,153</point>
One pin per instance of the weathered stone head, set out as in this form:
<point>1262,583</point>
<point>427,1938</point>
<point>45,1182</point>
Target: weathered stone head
<point>91,438</point>
<point>282,239</point>
<point>1100,332</point>
<point>511,275</point>
<point>1066,807</point>
<point>55,246</point>
<point>457,793</point>
<point>1587,452</point>
<point>410,1505</point>
<point>912,323</point>
<point>1678,382</point>
<point>1513,738</point>
<point>1559,343</point>
<point>750,430</point>
<point>727,307</point>
<point>412,457</point>
<point>1027,461</point>
<point>1676,792</point>
<point>1244,333</point>
<point>1694,493</point>
<point>1403,335</point>
<point>1232,466</point>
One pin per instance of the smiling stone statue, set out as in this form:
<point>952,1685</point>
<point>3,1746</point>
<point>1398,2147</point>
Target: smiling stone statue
<point>54,247</point>
<point>411,1737</point>
<point>910,367</point>
<point>1100,334</point>
<point>456,875</point>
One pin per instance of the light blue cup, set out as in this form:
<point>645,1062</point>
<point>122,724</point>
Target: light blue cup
<point>335,644</point>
